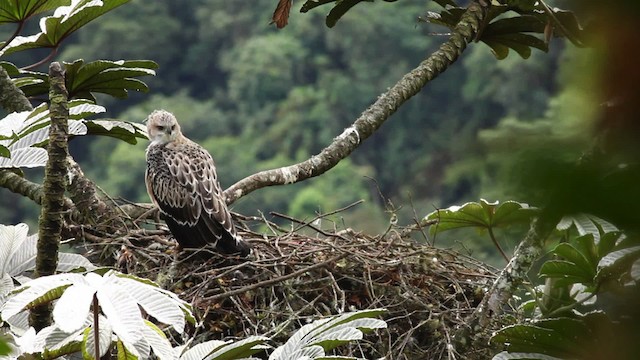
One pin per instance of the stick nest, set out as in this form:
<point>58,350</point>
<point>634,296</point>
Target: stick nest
<point>296,276</point>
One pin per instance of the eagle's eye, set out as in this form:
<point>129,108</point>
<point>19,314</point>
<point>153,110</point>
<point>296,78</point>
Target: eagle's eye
<point>173,127</point>
<point>160,127</point>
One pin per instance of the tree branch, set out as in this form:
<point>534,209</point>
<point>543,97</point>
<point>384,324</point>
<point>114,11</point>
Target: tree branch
<point>51,220</point>
<point>12,98</point>
<point>372,118</point>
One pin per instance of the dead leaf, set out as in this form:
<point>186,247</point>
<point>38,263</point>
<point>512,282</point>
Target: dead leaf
<point>281,15</point>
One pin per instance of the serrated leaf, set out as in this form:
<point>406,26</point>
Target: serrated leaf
<point>82,79</point>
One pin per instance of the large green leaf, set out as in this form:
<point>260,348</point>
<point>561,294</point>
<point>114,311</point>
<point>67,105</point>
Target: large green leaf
<point>561,337</point>
<point>239,349</point>
<point>566,271</point>
<point>20,10</point>
<point>30,130</point>
<point>114,78</point>
<point>585,337</point>
<point>313,339</point>
<point>66,20</point>
<point>570,253</point>
<point>337,11</point>
<point>523,356</point>
<point>481,215</point>
<point>518,25</point>
<point>617,262</point>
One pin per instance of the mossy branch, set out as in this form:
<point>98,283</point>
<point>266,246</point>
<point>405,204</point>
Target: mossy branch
<point>372,118</point>
<point>51,219</point>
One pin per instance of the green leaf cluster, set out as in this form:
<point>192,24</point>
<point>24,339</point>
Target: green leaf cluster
<point>515,25</point>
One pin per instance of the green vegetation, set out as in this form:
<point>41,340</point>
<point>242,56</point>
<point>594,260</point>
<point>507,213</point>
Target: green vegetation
<point>506,122</point>
<point>257,98</point>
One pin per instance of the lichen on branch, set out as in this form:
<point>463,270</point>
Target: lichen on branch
<point>373,117</point>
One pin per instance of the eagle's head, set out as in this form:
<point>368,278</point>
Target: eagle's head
<point>162,127</point>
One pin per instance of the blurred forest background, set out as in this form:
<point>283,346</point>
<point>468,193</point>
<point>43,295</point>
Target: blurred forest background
<point>257,97</point>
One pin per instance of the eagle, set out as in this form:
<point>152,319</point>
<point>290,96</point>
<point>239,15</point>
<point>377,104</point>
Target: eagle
<point>182,182</point>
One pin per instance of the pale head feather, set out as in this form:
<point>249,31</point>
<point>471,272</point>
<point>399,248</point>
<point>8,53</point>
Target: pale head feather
<point>163,127</point>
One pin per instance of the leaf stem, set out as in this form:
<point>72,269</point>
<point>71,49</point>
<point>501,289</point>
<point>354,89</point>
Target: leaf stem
<point>495,242</point>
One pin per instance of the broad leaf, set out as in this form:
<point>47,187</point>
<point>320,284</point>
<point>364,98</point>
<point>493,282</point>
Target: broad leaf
<point>569,253</point>
<point>337,11</point>
<point>565,271</point>
<point>65,20</point>
<point>104,339</point>
<point>523,356</point>
<point>239,349</point>
<point>482,215</point>
<point>561,337</point>
<point>311,339</point>
<point>520,32</point>
<point>18,253</point>
<point>617,262</point>
<point>82,80</point>
<point>20,10</point>
<point>158,341</point>
<point>200,351</point>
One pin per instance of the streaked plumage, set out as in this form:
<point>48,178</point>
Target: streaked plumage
<point>181,180</point>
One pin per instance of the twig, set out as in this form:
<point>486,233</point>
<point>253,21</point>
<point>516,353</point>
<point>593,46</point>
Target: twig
<point>273,281</point>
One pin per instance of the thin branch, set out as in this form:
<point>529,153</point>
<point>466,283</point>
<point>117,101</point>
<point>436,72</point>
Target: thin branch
<point>48,58</point>
<point>372,118</point>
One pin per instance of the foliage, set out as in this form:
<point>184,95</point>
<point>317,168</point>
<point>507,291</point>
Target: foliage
<point>120,298</point>
<point>114,78</point>
<point>24,134</point>
<point>566,310</point>
<point>312,340</point>
<point>18,256</point>
<point>504,33</point>
<point>56,28</point>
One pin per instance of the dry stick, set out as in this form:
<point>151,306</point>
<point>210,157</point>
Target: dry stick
<point>274,280</point>
<point>372,118</point>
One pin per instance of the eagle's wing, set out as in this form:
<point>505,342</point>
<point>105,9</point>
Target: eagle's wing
<point>183,183</point>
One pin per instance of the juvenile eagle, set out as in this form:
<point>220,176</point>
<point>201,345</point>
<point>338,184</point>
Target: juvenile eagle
<point>181,180</point>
